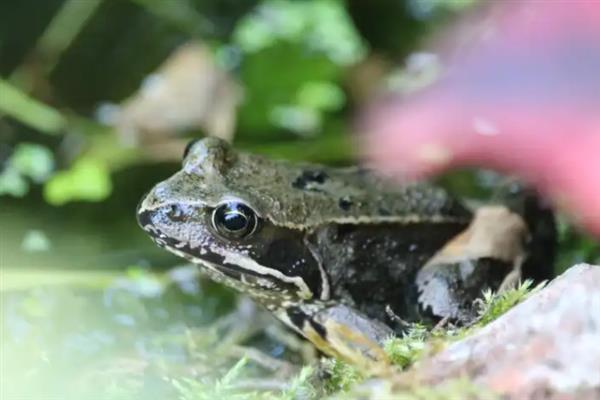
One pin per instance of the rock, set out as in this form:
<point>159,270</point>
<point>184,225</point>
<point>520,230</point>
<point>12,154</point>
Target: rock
<point>547,347</point>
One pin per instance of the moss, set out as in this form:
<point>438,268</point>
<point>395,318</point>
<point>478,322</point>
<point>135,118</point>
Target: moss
<point>418,342</point>
<point>340,376</point>
<point>300,387</point>
<point>494,305</point>
<point>404,351</point>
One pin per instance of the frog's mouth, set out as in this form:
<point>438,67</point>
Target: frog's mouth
<point>215,264</point>
<point>264,288</point>
<point>247,277</point>
<point>144,220</point>
<point>239,270</point>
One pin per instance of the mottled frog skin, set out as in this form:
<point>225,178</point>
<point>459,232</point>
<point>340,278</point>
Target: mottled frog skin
<point>333,253</point>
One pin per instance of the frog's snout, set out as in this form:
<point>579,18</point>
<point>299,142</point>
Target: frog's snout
<point>143,218</point>
<point>152,206</point>
<point>156,197</point>
<point>163,218</point>
<point>144,209</point>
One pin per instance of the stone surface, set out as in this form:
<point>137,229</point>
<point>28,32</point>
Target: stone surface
<point>547,347</point>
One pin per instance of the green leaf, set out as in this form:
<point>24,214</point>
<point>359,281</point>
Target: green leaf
<point>87,179</point>
<point>323,95</point>
<point>321,25</point>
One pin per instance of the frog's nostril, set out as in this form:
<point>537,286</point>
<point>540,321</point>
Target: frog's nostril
<point>177,213</point>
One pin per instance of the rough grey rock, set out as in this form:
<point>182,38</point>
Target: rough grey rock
<point>547,347</point>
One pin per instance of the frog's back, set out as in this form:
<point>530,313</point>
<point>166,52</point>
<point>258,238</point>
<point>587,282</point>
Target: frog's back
<point>310,195</point>
<point>306,196</point>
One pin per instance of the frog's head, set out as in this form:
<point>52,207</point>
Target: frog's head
<point>214,213</point>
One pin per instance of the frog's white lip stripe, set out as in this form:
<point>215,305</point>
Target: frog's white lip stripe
<point>248,264</point>
<point>239,261</point>
<point>217,274</point>
<point>251,265</point>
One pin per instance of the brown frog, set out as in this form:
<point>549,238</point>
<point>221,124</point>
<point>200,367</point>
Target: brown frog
<point>341,256</point>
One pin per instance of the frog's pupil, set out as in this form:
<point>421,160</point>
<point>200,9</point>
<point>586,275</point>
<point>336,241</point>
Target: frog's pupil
<point>234,221</point>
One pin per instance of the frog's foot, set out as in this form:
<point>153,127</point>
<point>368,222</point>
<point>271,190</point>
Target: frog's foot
<point>487,255</point>
<point>341,331</point>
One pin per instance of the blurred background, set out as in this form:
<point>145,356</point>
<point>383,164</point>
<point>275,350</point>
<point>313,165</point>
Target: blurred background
<point>97,101</point>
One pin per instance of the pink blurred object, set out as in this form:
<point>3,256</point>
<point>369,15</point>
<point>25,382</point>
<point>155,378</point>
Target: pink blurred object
<point>523,99</point>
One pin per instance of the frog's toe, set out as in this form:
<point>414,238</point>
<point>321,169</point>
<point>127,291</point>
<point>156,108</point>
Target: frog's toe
<point>355,337</point>
<point>448,290</point>
<point>341,331</point>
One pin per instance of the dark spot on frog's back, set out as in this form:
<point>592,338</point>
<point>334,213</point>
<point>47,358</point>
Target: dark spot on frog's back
<point>345,203</point>
<point>309,178</point>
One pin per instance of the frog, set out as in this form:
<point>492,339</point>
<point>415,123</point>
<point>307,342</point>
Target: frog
<point>342,256</point>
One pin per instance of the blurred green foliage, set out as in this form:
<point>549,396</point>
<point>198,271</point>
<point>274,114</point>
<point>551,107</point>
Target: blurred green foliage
<point>87,180</point>
<point>28,162</point>
<point>313,43</point>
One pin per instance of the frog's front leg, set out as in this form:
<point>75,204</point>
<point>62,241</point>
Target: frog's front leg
<point>340,331</point>
<point>487,255</point>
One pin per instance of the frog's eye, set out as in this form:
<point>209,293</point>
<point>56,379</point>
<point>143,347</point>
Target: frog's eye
<point>188,147</point>
<point>234,220</point>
